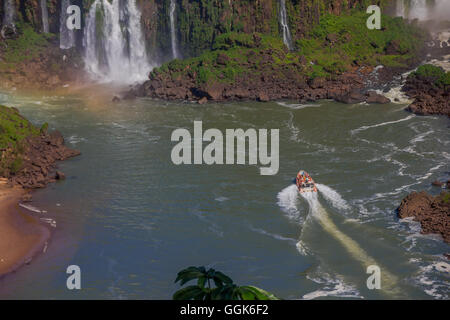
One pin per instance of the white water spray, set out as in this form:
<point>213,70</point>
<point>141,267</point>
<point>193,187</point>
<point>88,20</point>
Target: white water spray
<point>114,42</point>
<point>287,37</point>
<point>175,53</point>
<point>423,9</point>
<point>44,13</point>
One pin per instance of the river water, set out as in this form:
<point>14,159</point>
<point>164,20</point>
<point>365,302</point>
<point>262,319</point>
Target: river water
<point>131,219</point>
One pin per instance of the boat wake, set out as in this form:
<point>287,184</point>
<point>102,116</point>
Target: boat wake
<point>288,201</point>
<point>333,197</point>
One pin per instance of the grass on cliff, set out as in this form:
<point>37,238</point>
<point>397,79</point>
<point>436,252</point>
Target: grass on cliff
<point>28,45</point>
<point>334,46</point>
<point>435,74</point>
<point>338,42</point>
<point>13,130</point>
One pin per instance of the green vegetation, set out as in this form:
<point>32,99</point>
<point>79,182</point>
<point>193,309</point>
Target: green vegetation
<point>335,45</point>
<point>445,197</point>
<point>13,131</point>
<point>338,42</point>
<point>435,74</point>
<point>214,285</point>
<point>28,45</point>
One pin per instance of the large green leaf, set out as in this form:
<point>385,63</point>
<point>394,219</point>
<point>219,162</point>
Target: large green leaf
<point>259,294</point>
<point>189,293</point>
<point>189,274</point>
<point>201,281</point>
<point>224,278</point>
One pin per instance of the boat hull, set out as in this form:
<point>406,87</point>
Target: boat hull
<point>305,183</point>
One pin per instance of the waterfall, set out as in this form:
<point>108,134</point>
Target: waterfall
<point>8,13</point>
<point>287,38</point>
<point>418,10</point>
<point>400,8</point>
<point>114,42</point>
<point>66,36</point>
<point>423,9</point>
<point>44,11</point>
<point>175,53</point>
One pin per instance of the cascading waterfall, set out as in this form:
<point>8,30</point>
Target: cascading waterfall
<point>44,12</point>
<point>114,42</point>
<point>8,13</point>
<point>423,9</point>
<point>175,52</point>
<point>66,36</point>
<point>287,37</point>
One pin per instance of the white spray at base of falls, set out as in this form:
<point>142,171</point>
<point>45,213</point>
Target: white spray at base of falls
<point>44,13</point>
<point>423,9</point>
<point>288,201</point>
<point>66,36</point>
<point>114,42</point>
<point>175,53</point>
<point>287,37</point>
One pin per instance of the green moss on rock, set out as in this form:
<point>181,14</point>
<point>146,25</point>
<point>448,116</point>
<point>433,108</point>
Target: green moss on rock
<point>14,129</point>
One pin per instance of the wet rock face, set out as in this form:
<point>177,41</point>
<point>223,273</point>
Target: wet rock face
<point>433,213</point>
<point>430,93</point>
<point>427,99</point>
<point>39,161</point>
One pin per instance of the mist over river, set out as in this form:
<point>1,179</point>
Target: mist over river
<point>131,219</point>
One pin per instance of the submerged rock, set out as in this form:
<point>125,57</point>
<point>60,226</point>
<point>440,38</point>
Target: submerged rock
<point>433,213</point>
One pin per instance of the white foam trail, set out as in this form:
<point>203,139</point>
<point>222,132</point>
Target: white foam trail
<point>333,197</point>
<point>31,208</point>
<point>389,281</point>
<point>334,288</point>
<point>297,106</point>
<point>382,124</point>
<point>287,200</point>
<point>273,235</point>
<point>433,278</point>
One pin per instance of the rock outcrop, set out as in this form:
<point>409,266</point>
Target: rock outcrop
<point>39,160</point>
<point>433,213</point>
<point>28,155</point>
<point>429,86</point>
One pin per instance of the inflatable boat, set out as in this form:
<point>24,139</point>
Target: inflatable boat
<point>304,182</point>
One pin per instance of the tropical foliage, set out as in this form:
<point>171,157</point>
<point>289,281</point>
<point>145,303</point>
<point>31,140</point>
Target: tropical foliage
<point>215,285</point>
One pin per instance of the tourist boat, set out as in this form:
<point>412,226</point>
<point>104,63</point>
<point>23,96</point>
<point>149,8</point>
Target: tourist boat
<point>304,182</point>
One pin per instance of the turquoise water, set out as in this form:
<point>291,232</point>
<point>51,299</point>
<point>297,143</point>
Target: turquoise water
<point>131,219</point>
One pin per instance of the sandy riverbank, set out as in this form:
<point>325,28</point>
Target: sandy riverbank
<point>21,235</point>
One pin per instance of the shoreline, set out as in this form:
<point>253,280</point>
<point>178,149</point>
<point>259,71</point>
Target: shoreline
<point>22,236</point>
